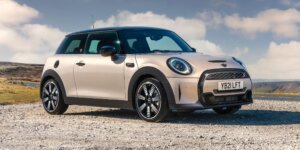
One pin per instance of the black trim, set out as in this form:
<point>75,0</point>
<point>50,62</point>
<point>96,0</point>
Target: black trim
<point>98,102</point>
<point>201,95</point>
<point>199,106</point>
<point>150,71</point>
<point>217,61</point>
<point>227,75</point>
<point>209,100</point>
<point>115,29</point>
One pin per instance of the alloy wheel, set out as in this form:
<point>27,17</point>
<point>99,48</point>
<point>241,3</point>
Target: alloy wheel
<point>50,96</point>
<point>148,100</point>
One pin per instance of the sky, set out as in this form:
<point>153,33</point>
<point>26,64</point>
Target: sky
<point>264,34</point>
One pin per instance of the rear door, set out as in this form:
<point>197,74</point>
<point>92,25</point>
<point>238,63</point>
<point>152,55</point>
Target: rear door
<point>97,76</point>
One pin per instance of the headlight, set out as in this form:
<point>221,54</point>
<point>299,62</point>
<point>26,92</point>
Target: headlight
<point>179,66</point>
<point>239,62</point>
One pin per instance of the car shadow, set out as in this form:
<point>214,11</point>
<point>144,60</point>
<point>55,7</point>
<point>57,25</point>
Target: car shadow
<point>243,117</point>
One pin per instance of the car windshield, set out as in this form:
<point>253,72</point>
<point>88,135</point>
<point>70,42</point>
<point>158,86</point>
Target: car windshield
<point>152,41</point>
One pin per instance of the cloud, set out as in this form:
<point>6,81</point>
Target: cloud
<point>13,13</point>
<point>282,23</point>
<point>281,62</point>
<point>206,47</point>
<point>290,3</point>
<point>211,18</point>
<point>188,28</point>
<point>30,43</point>
<point>239,52</point>
<point>193,30</point>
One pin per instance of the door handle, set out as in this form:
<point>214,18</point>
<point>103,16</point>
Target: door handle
<point>131,65</point>
<point>80,63</point>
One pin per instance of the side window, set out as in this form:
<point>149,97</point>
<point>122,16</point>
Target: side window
<point>73,44</point>
<point>93,46</point>
<point>98,40</point>
<point>131,45</point>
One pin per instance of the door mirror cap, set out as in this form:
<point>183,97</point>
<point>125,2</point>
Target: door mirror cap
<point>107,50</point>
<point>194,50</point>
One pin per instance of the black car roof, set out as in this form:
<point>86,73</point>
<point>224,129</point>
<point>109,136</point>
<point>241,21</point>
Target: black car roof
<point>115,29</point>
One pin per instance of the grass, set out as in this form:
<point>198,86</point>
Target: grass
<point>13,93</point>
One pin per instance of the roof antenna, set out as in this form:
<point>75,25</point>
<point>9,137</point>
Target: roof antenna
<point>93,21</point>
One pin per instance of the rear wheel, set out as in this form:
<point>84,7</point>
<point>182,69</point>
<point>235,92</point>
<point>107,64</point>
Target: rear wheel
<point>151,100</point>
<point>227,110</point>
<point>52,98</point>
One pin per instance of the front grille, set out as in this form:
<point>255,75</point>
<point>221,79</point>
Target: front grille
<point>226,75</point>
<point>221,100</point>
<point>210,100</point>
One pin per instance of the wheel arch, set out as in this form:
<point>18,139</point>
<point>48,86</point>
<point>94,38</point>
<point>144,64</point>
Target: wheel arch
<point>148,72</point>
<point>51,74</point>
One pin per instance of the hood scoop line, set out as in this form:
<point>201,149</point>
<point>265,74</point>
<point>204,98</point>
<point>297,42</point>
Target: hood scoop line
<point>217,61</point>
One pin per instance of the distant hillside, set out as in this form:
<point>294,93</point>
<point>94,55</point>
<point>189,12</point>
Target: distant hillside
<point>277,87</point>
<point>20,71</point>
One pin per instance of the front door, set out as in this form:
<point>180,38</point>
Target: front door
<point>97,76</point>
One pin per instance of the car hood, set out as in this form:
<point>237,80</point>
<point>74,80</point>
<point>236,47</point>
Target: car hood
<point>199,62</point>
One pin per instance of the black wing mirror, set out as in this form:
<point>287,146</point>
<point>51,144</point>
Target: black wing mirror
<point>107,50</point>
<point>194,50</point>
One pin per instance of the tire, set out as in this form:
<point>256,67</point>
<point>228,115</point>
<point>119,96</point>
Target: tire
<point>52,98</point>
<point>227,110</point>
<point>151,101</point>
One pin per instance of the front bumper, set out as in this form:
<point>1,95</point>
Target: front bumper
<point>199,93</point>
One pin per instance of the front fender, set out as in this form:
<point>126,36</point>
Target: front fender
<point>150,72</point>
<point>51,74</point>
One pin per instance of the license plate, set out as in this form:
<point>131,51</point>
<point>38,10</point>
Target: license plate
<point>230,85</point>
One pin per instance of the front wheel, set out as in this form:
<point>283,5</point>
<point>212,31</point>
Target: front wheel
<point>151,100</point>
<point>227,110</point>
<point>52,98</point>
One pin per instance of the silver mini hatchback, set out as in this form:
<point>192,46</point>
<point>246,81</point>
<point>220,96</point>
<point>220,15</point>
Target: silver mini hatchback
<point>150,70</point>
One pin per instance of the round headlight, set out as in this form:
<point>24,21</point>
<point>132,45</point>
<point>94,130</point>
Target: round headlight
<point>179,66</point>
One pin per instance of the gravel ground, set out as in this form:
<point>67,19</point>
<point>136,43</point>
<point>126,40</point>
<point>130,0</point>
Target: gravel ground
<point>262,125</point>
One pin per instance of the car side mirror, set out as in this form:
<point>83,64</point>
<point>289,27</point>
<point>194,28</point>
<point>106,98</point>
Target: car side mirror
<point>107,50</point>
<point>194,50</point>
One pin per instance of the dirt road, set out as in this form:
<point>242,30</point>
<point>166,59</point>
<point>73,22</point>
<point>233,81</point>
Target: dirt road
<point>263,125</point>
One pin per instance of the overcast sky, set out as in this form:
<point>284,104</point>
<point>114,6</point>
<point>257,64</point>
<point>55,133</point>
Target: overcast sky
<point>262,33</point>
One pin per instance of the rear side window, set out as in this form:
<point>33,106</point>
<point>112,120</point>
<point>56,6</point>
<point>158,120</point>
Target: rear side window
<point>73,44</point>
<point>98,40</point>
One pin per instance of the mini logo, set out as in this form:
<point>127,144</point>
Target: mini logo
<point>224,65</point>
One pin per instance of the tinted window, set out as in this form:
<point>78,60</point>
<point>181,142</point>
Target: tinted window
<point>165,43</point>
<point>151,41</point>
<point>98,40</point>
<point>73,44</point>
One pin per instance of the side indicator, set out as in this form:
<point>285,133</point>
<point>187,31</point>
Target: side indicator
<point>56,64</point>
